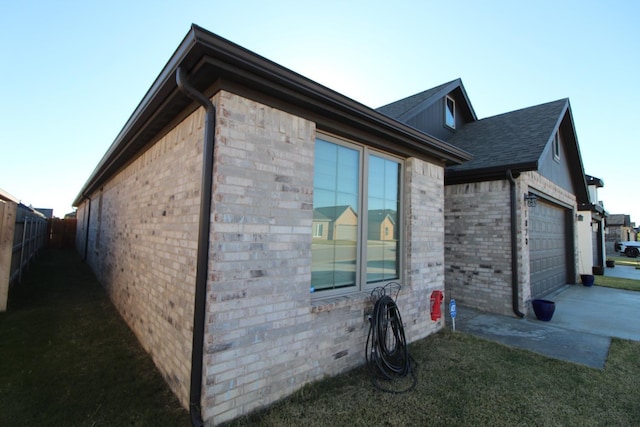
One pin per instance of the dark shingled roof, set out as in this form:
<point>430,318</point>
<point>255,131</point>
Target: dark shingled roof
<point>398,108</point>
<point>513,140</point>
<point>330,213</point>
<point>619,220</point>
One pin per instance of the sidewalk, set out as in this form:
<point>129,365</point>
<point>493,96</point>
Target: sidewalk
<point>623,272</point>
<point>585,320</point>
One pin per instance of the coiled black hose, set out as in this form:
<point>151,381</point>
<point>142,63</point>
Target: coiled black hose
<point>387,356</point>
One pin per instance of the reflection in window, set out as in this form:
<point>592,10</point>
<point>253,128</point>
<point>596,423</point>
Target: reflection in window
<point>335,200</point>
<point>382,228</point>
<point>350,250</point>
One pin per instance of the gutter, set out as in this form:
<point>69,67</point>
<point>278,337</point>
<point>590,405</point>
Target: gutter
<point>515,296</point>
<point>202,258</point>
<point>209,57</point>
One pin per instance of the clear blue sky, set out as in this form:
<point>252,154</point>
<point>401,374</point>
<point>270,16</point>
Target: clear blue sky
<point>72,72</point>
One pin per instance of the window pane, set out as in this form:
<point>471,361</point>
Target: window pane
<point>450,113</point>
<point>335,216</point>
<point>383,226</point>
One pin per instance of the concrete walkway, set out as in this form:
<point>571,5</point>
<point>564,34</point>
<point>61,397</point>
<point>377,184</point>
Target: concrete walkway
<point>623,272</point>
<point>580,331</point>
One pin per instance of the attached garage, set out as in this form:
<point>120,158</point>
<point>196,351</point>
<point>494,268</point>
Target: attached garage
<point>549,247</point>
<point>346,232</point>
<point>491,233</point>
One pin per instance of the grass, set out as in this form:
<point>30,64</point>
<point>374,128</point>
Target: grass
<point>463,380</point>
<point>68,358</point>
<point>618,283</point>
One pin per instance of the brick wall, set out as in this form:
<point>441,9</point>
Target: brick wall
<point>142,246</point>
<point>478,245</point>
<point>424,237</point>
<point>478,240</point>
<point>265,337</point>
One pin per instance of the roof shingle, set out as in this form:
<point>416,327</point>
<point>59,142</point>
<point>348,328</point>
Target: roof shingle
<point>515,138</point>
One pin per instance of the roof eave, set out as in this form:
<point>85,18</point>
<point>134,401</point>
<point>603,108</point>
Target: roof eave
<point>200,49</point>
<point>493,173</point>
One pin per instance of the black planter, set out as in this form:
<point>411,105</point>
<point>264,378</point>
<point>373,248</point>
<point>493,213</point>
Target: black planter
<point>543,309</point>
<point>610,263</point>
<point>587,279</point>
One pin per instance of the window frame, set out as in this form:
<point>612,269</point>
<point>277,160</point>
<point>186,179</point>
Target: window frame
<point>361,285</point>
<point>453,112</point>
<point>318,230</point>
<point>556,146</point>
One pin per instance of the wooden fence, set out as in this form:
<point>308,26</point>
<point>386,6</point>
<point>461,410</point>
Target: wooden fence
<point>30,235</point>
<point>62,233</point>
<point>23,233</point>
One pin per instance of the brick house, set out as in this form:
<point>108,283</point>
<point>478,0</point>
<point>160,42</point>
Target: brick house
<point>619,228</point>
<point>510,212</point>
<point>200,221</point>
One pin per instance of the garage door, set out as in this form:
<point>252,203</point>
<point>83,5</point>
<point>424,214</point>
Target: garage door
<point>346,232</point>
<point>548,248</point>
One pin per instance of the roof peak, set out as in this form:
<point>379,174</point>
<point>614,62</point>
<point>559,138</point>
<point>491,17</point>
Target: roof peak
<point>403,109</point>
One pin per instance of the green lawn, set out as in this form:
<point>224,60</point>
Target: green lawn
<point>68,359</point>
<point>466,381</point>
<point>614,282</point>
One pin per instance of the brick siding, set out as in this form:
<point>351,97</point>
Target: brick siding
<point>478,240</point>
<point>142,246</point>
<point>265,337</point>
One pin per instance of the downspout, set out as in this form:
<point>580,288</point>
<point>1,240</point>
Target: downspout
<point>86,236</point>
<point>202,257</point>
<point>515,296</point>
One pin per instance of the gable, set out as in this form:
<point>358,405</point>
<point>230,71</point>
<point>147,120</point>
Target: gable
<point>425,111</point>
<point>431,120</point>
<point>348,216</point>
<point>555,165</point>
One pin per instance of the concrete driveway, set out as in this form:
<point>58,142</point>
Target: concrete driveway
<point>585,320</point>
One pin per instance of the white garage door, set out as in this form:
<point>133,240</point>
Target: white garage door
<point>548,248</point>
<point>346,232</point>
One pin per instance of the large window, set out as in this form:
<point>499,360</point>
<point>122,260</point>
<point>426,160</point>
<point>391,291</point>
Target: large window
<point>354,251</point>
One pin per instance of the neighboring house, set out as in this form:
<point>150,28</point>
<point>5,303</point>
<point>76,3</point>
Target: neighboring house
<point>342,222</point>
<point>210,254</point>
<point>619,228</point>
<point>591,226</point>
<point>510,212</point>
<point>382,225</point>
<point>47,212</point>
